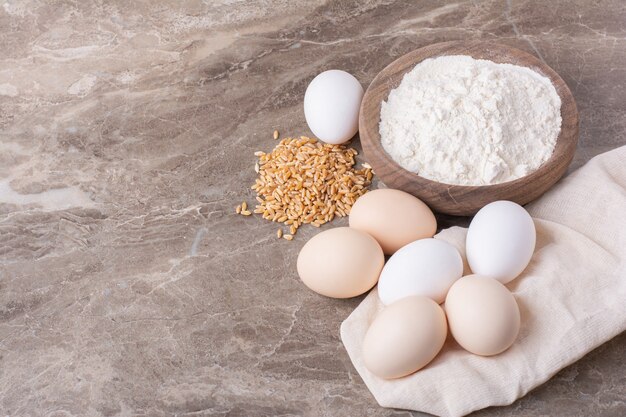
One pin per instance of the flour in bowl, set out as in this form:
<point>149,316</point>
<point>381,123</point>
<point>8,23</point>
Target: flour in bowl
<point>458,120</point>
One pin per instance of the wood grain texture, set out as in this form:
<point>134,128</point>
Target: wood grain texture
<point>461,199</point>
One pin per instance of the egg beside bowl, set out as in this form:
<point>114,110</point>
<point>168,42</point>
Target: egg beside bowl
<point>394,218</point>
<point>500,241</point>
<point>331,106</point>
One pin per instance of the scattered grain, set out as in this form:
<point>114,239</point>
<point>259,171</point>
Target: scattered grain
<point>303,181</point>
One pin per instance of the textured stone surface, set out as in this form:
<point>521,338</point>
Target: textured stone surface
<point>128,286</point>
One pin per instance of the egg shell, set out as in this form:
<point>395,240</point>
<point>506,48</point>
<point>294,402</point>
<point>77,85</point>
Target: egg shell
<point>426,267</point>
<point>404,337</point>
<point>331,106</point>
<point>340,262</point>
<point>483,315</point>
<point>500,241</point>
<point>394,218</point>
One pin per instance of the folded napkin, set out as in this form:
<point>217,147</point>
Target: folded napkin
<point>572,298</point>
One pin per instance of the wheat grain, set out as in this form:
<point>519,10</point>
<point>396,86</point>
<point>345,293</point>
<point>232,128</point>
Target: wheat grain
<point>303,181</point>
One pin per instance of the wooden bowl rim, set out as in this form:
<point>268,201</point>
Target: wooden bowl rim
<point>565,144</point>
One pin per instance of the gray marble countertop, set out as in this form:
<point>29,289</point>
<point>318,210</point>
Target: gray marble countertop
<point>129,287</point>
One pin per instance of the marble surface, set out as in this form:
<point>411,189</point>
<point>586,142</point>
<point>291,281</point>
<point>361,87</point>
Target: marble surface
<point>129,287</point>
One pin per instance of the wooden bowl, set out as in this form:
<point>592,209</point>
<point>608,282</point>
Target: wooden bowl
<point>465,200</point>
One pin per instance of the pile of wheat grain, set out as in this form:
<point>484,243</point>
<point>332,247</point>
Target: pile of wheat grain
<point>305,181</point>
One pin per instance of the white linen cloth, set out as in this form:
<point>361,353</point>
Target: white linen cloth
<point>572,298</point>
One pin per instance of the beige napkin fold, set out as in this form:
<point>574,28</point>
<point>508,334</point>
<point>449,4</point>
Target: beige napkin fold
<point>572,298</point>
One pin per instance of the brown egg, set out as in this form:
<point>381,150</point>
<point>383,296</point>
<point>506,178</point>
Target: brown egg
<point>483,315</point>
<point>394,218</point>
<point>340,262</point>
<point>404,337</point>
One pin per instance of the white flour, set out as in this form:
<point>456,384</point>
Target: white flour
<point>458,120</point>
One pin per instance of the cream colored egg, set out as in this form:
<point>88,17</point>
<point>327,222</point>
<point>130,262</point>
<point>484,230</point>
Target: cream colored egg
<point>340,262</point>
<point>482,314</point>
<point>394,218</point>
<point>404,337</point>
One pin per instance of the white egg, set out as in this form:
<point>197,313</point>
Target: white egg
<point>426,267</point>
<point>500,241</point>
<point>331,106</point>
